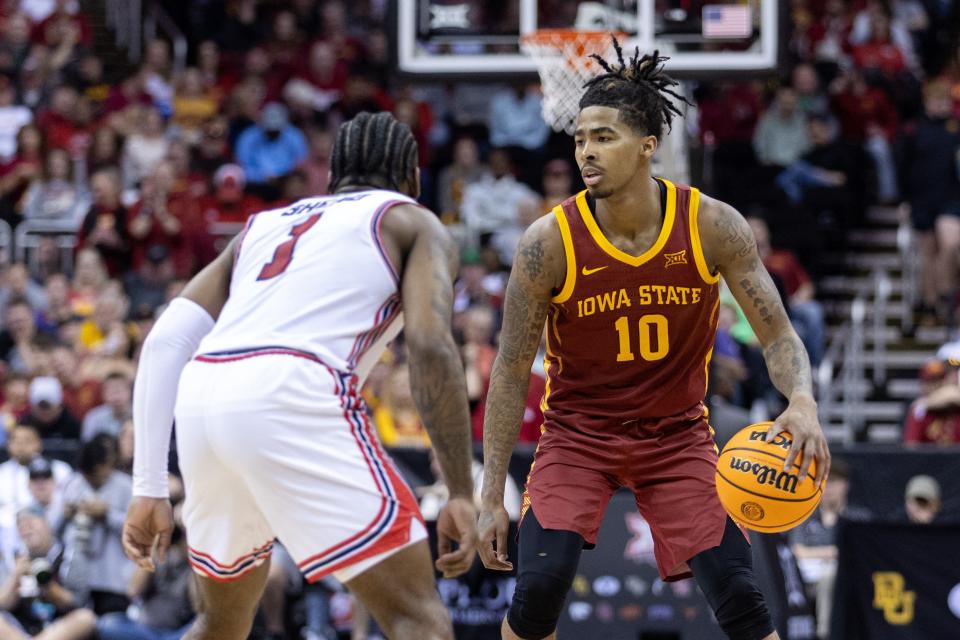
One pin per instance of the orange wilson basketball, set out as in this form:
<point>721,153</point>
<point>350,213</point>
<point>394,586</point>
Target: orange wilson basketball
<point>755,489</point>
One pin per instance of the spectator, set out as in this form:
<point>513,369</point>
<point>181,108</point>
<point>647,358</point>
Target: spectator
<point>271,149</point>
<point>114,412</point>
<point>47,412</point>
<point>781,134</point>
<point>16,175</point>
<point>868,118</point>
<point>934,417</point>
<point>15,43</point>
<point>193,105</point>
<point>65,13</point>
<point>145,148</point>
<point>805,312</point>
<point>90,81</point>
<point>17,284</point>
<point>805,81</point>
<point>213,149</point>
<point>57,196</point>
<point>80,392</point>
<point>433,497</point>
<point>396,417</point>
<point>105,226</point>
<point>162,606</point>
<point>24,447</point>
<point>96,499</point>
<point>45,590</point>
<point>324,79</point>
<point>159,219</point>
<point>16,402</point>
<point>16,340</point>
<point>317,165</point>
<point>931,184</point>
<point>465,170</point>
<point>557,182</point>
<point>492,205</point>
<point>829,177</point>
<point>104,150</point>
<point>59,121</point>
<point>105,333</point>
<point>13,117</point>
<point>921,500</point>
<point>516,118</point>
<point>882,37</point>
<point>478,351</point>
<point>156,72</point>
<point>814,542</point>
<point>728,117</point>
<point>58,310</point>
<point>46,491</point>
<point>147,286</point>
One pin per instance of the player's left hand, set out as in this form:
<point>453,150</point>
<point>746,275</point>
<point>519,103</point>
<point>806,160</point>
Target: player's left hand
<point>457,522</point>
<point>800,420</point>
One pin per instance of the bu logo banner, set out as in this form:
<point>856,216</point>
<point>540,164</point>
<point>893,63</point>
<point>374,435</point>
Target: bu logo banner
<point>890,596</point>
<point>894,582</point>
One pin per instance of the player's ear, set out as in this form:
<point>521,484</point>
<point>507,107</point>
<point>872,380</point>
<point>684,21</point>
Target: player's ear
<point>648,146</point>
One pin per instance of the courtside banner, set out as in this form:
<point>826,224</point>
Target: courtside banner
<point>897,582</point>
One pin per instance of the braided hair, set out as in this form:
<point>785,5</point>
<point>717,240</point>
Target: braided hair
<point>373,149</point>
<point>638,88</point>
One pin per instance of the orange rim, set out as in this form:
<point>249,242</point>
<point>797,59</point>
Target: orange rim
<point>555,37</point>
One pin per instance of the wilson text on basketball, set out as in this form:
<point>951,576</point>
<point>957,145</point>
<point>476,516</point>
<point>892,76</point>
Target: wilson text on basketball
<point>766,474</point>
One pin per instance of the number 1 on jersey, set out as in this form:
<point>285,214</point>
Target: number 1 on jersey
<point>283,254</point>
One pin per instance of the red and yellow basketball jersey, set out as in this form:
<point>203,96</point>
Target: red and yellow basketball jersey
<point>630,336</point>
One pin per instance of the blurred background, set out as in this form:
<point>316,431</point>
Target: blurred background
<point>137,136</point>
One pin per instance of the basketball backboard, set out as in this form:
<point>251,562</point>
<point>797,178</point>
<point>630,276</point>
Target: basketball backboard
<point>456,37</point>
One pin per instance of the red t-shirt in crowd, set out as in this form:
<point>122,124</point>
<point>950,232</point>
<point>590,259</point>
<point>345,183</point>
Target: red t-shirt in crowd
<point>938,427</point>
<point>532,415</point>
<point>784,265</point>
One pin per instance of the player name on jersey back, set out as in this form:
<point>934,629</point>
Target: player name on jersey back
<point>314,277</point>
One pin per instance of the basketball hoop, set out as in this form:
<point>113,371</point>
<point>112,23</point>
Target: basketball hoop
<point>564,65</point>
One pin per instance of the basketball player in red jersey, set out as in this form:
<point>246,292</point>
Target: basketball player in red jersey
<point>625,277</point>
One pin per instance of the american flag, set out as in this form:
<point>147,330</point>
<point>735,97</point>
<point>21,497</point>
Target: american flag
<point>727,21</point>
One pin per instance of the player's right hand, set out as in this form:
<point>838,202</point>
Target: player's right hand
<point>148,528</point>
<point>494,525</point>
<point>456,522</point>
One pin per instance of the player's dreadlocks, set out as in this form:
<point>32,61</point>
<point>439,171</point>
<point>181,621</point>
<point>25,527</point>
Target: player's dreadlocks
<point>373,149</point>
<point>639,89</point>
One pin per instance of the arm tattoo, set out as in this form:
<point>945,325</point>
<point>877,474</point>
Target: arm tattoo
<point>735,233</point>
<point>523,324</point>
<point>760,290</point>
<point>533,259</point>
<point>788,365</point>
<point>439,389</point>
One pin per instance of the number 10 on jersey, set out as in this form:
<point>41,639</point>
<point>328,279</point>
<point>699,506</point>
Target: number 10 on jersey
<point>653,337</point>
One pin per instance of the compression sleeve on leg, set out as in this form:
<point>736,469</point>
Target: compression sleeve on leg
<point>168,348</point>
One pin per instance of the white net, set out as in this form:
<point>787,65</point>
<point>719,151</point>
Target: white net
<point>562,59</point>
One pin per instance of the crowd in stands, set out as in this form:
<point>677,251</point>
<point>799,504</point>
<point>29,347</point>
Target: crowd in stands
<point>147,170</point>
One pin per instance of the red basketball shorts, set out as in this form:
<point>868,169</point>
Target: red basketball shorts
<point>668,463</point>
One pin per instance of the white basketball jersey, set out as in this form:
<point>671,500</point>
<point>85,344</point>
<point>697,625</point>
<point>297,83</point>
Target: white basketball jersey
<point>314,277</point>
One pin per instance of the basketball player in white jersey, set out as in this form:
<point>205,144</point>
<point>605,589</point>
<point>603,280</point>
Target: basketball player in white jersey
<point>261,361</point>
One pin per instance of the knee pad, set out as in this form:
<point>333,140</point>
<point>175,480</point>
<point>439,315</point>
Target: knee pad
<point>740,608</point>
<point>537,604</point>
<point>547,562</point>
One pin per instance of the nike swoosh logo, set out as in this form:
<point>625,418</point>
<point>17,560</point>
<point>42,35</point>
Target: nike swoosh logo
<point>587,272</point>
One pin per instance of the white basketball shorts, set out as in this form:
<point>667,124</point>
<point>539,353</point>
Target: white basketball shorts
<point>274,444</point>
